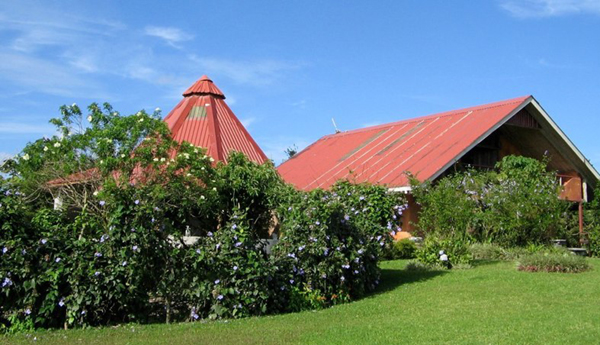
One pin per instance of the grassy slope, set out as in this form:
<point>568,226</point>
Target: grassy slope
<point>491,304</point>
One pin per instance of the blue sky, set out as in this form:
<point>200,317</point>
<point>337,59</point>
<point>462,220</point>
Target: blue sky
<point>288,67</point>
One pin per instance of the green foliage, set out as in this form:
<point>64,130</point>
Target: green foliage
<point>516,205</point>
<point>457,252</point>
<point>553,262</point>
<point>486,251</point>
<point>116,252</point>
<point>332,239</point>
<point>402,249</point>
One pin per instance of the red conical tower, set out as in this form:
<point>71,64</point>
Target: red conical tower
<point>203,119</point>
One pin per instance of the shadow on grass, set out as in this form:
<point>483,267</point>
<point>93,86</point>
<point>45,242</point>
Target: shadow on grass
<point>392,278</point>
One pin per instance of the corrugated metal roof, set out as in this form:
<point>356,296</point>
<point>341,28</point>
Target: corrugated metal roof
<point>203,119</point>
<point>382,154</point>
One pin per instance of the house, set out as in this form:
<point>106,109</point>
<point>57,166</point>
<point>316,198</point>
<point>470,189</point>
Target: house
<point>432,146</point>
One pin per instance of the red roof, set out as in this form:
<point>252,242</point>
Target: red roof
<point>424,146</point>
<point>203,119</point>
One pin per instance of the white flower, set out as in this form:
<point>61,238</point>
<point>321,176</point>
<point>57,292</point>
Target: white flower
<point>139,113</point>
<point>26,157</point>
<point>74,104</point>
<point>45,148</point>
<point>141,120</point>
<point>157,110</point>
<point>155,159</point>
<point>202,197</point>
<point>56,144</point>
<point>162,159</point>
<point>95,193</point>
<point>122,155</point>
<point>211,159</point>
<point>215,189</point>
<point>89,118</point>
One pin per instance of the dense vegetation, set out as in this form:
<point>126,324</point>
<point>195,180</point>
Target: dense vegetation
<point>114,251</point>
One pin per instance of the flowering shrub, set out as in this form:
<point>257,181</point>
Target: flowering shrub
<point>516,205</point>
<point>114,251</point>
<point>236,277</point>
<point>332,241</point>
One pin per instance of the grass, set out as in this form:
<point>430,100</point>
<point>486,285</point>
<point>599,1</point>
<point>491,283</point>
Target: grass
<point>490,304</point>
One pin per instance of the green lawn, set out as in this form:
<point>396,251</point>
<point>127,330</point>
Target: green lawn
<point>490,304</point>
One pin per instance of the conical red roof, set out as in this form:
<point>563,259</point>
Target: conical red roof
<point>203,119</point>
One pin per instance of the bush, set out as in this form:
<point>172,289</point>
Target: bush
<point>331,240</point>
<point>403,249</point>
<point>429,253</point>
<point>514,206</point>
<point>553,262</point>
<point>486,251</point>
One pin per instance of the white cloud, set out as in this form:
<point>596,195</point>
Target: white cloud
<point>4,156</point>
<point>171,35</point>
<point>25,128</point>
<point>550,8</point>
<point>46,76</point>
<point>248,121</point>
<point>256,72</point>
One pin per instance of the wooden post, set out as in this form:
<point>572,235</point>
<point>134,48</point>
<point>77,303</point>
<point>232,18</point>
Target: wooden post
<point>581,239</point>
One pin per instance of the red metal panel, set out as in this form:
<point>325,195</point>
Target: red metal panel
<point>382,154</point>
<point>219,130</point>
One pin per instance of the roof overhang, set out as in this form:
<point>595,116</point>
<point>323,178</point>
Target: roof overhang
<point>550,130</point>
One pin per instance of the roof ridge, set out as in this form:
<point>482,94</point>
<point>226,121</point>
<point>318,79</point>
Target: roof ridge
<point>438,115</point>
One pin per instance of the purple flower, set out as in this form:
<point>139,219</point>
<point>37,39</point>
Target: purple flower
<point>291,281</point>
<point>234,226</point>
<point>27,311</point>
<point>301,248</point>
<point>103,238</point>
<point>361,198</point>
<point>343,278</point>
<point>355,271</point>
<point>235,268</point>
<point>194,315</point>
<point>6,282</point>
<point>220,297</point>
<point>346,217</point>
<point>57,260</point>
<point>290,208</point>
<point>102,202</point>
<point>152,220</point>
<point>209,234</point>
<point>43,241</point>
<point>218,245</point>
<point>4,250</point>
<point>360,251</point>
<point>124,263</point>
<point>217,281</point>
<point>96,273</point>
<point>61,303</point>
<point>324,276</point>
<point>326,251</point>
<point>198,251</point>
<point>23,252</point>
<point>357,260</point>
<point>83,312</point>
<point>346,266</point>
<point>135,248</point>
<point>381,243</point>
<point>98,255</point>
<point>237,244</point>
<point>291,255</point>
<point>137,202</point>
<point>318,223</point>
